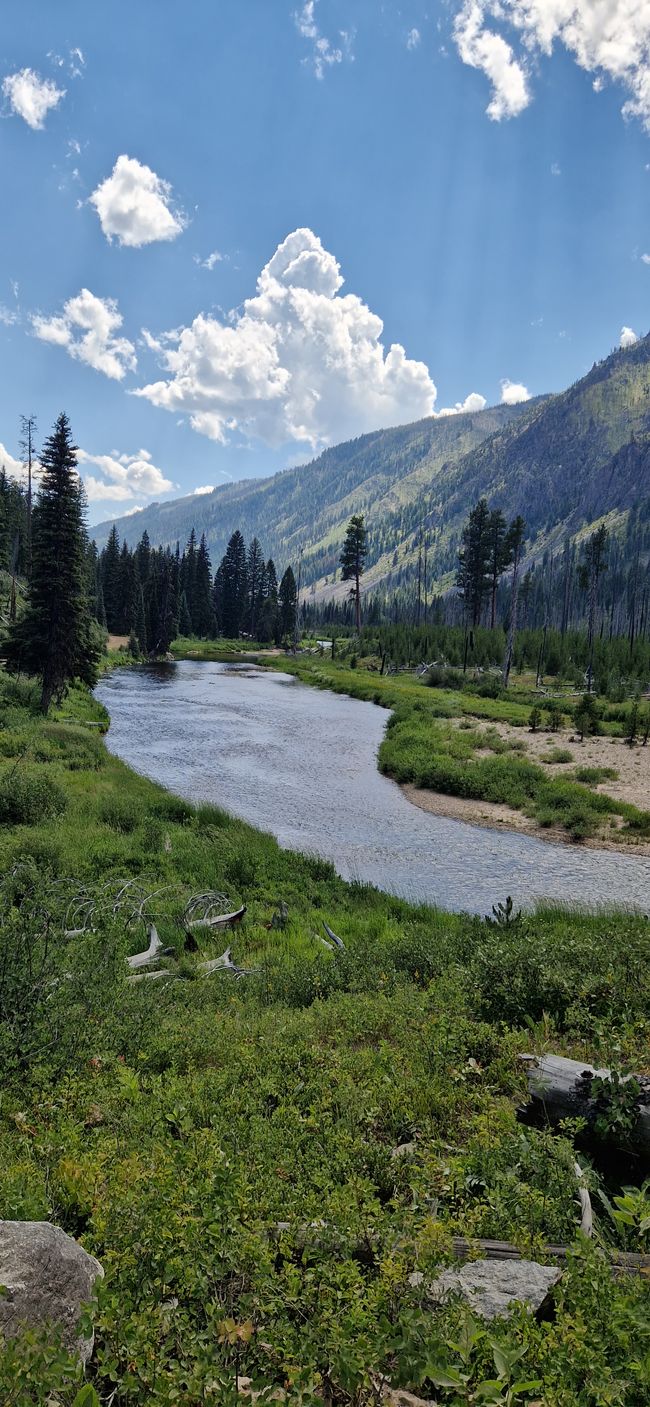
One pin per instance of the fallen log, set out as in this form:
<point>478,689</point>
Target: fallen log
<point>563,1089</point>
<point>338,942</point>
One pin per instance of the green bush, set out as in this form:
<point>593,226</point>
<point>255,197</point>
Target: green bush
<point>28,797</point>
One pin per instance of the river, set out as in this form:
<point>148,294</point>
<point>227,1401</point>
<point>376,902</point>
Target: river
<point>301,763</point>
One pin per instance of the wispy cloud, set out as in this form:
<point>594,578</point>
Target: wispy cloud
<point>413,39</point>
<point>211,260</point>
<point>325,53</point>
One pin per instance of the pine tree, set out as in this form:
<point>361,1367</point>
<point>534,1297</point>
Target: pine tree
<point>233,587</point>
<point>288,603</point>
<point>111,582</point>
<point>255,573</point>
<point>203,618</point>
<point>141,623</point>
<point>591,570</point>
<point>473,575</point>
<point>54,637</point>
<point>499,557</point>
<point>185,619</point>
<point>187,582</point>
<point>353,557</point>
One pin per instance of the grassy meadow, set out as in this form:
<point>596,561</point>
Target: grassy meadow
<point>228,1148</point>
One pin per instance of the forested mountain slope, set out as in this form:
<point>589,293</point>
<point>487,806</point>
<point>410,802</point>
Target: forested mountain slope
<point>382,474</point>
<point>562,461</point>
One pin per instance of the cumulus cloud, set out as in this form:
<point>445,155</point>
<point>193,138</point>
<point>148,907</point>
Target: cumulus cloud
<point>608,38</point>
<point>31,97</point>
<point>324,53</point>
<point>628,337</point>
<point>204,488</point>
<point>124,477</point>
<point>301,362</point>
<point>13,467</point>
<point>135,205</point>
<point>87,330</point>
<point>645,258</point>
<point>472,403</point>
<point>413,39</point>
<point>513,392</point>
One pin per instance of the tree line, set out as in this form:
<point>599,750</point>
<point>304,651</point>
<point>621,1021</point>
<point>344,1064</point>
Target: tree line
<point>155,594</point>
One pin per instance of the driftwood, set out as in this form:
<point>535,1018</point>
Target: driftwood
<point>224,964</point>
<point>150,954</point>
<point>338,943</point>
<point>562,1089</point>
<point>207,911</point>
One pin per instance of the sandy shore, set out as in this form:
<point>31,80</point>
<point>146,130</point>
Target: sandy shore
<point>632,784</point>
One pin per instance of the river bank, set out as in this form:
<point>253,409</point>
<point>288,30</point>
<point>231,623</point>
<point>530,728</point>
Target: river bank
<point>547,784</point>
<point>171,1125</point>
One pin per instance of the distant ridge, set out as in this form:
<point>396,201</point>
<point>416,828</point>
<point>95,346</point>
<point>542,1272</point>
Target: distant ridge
<point>562,461</point>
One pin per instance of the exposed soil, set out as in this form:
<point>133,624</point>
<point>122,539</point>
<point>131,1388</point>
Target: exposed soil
<point>632,785</point>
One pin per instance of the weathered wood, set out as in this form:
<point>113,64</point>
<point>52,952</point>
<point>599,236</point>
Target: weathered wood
<point>218,920</point>
<point>151,954</point>
<point>561,1089</point>
<point>338,942</point>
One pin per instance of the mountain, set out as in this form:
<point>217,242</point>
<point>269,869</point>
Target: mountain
<point>563,461</point>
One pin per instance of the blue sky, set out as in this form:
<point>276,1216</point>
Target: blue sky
<point>466,167</point>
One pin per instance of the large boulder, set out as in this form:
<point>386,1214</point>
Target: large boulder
<point>46,1279</point>
<point>492,1287</point>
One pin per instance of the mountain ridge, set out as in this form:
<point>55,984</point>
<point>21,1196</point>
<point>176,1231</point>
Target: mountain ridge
<point>563,461</point>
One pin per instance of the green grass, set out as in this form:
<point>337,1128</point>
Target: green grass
<point>171,1127</point>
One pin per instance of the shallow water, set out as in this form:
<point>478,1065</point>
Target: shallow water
<point>301,763</point>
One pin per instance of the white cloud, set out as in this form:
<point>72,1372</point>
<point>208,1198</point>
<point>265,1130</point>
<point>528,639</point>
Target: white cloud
<point>513,392</point>
<point>324,52</point>
<point>556,169</point>
<point>31,97</point>
<point>484,49</point>
<point>413,39</point>
<point>13,467</point>
<point>645,258</point>
<point>214,258</point>
<point>628,337</point>
<point>608,38</point>
<point>8,316</point>
<point>204,488</point>
<point>301,362</point>
<point>87,330</point>
<point>125,476</point>
<point>134,205</point>
<point>471,404</point>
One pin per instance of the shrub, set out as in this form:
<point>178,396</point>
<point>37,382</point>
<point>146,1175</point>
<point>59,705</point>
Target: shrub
<point>121,813</point>
<point>558,754</point>
<point>28,797</point>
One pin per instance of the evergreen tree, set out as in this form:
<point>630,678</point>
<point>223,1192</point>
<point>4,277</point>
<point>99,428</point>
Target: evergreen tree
<point>499,557</point>
<point>203,618</point>
<point>185,619</point>
<point>591,570</point>
<point>54,637</point>
<point>353,557</point>
<point>288,604</point>
<point>473,576</point>
<point>141,623</point>
<point>188,566</point>
<point>255,574</point>
<point>233,587</point>
<point>143,554</point>
<point>111,582</point>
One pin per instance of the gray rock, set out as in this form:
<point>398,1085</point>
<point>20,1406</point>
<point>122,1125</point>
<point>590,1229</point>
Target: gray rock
<point>492,1287</point>
<point>46,1279</point>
